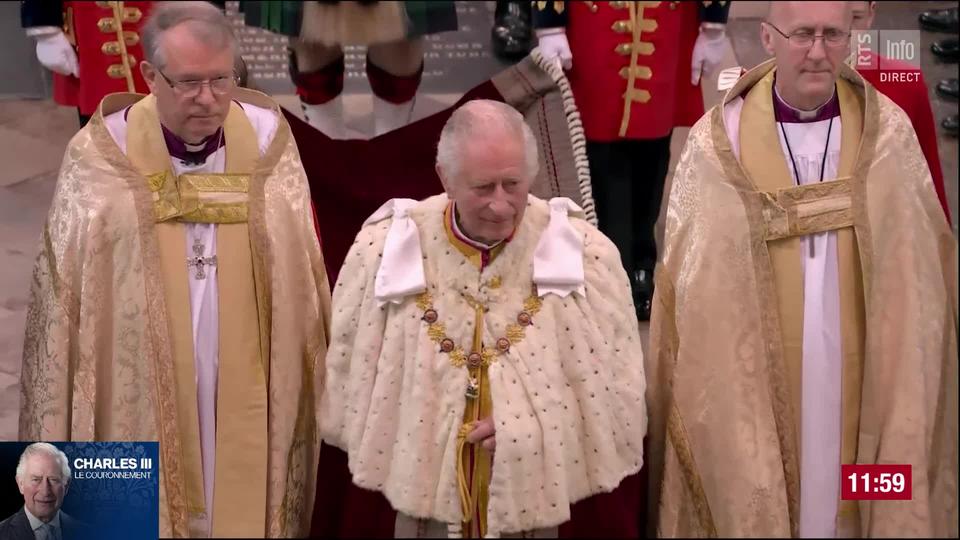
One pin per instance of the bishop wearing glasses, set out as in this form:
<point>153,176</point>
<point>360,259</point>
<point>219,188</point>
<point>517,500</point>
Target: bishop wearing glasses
<point>180,293</point>
<point>805,313</point>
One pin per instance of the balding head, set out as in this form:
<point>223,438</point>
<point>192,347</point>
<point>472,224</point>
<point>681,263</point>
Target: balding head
<point>773,12</point>
<point>202,20</point>
<point>810,41</point>
<point>190,67</point>
<point>480,120</point>
<point>784,12</point>
<point>487,160</point>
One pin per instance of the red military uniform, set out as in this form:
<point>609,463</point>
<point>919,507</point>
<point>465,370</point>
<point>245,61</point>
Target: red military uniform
<point>631,67</point>
<point>903,83</point>
<point>94,29</point>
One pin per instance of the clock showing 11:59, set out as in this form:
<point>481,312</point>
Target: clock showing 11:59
<point>876,482</point>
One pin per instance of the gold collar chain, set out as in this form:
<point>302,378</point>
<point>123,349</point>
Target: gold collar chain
<point>483,358</point>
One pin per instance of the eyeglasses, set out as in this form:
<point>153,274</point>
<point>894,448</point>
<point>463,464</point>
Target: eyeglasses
<point>803,39</point>
<point>189,89</point>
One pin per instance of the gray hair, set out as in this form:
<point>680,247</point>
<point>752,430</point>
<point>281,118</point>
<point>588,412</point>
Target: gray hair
<point>471,120</point>
<point>48,449</point>
<point>206,21</point>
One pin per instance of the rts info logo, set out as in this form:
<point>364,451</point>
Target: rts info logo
<point>896,53</point>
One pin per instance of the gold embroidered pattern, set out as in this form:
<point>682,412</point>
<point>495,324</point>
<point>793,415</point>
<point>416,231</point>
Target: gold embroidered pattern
<point>238,183</point>
<point>107,25</point>
<point>677,435</point>
<point>112,48</point>
<point>487,355</point>
<point>516,331</point>
<point>132,14</point>
<point>217,213</point>
<point>637,24</point>
<point>156,181</point>
<point>809,209</point>
<point>201,198</point>
<point>436,332</point>
<point>770,320</point>
<point>119,71</point>
<point>638,72</point>
<point>558,5</point>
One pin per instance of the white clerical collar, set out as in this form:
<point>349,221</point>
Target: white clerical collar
<point>803,114</point>
<point>465,238</point>
<point>36,523</point>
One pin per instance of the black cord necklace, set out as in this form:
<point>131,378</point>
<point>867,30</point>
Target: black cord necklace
<point>796,172</point>
<point>823,162</point>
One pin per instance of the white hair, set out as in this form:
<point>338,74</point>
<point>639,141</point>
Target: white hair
<point>205,20</point>
<point>48,449</point>
<point>476,119</point>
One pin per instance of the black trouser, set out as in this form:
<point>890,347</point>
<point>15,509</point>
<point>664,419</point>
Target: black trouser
<point>83,118</point>
<point>628,178</point>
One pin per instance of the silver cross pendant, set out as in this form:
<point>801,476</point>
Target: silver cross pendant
<point>199,260</point>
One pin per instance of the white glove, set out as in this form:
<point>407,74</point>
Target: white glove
<point>56,54</point>
<point>707,53</point>
<point>554,46</point>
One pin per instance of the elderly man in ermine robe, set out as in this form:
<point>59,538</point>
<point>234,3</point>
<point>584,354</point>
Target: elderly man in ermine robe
<point>485,370</point>
<point>180,293</point>
<point>806,316</point>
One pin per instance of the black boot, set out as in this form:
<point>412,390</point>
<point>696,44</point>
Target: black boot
<point>643,293</point>
<point>512,32</point>
<point>949,125</point>
<point>947,50</point>
<point>940,20</point>
<point>948,88</point>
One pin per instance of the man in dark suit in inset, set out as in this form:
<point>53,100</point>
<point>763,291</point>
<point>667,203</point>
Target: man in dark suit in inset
<point>43,476</point>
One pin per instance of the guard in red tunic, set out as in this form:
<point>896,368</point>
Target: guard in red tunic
<point>635,70</point>
<point>903,83</point>
<point>93,48</point>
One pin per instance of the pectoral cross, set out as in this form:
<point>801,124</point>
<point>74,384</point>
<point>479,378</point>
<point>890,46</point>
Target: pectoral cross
<point>199,260</point>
